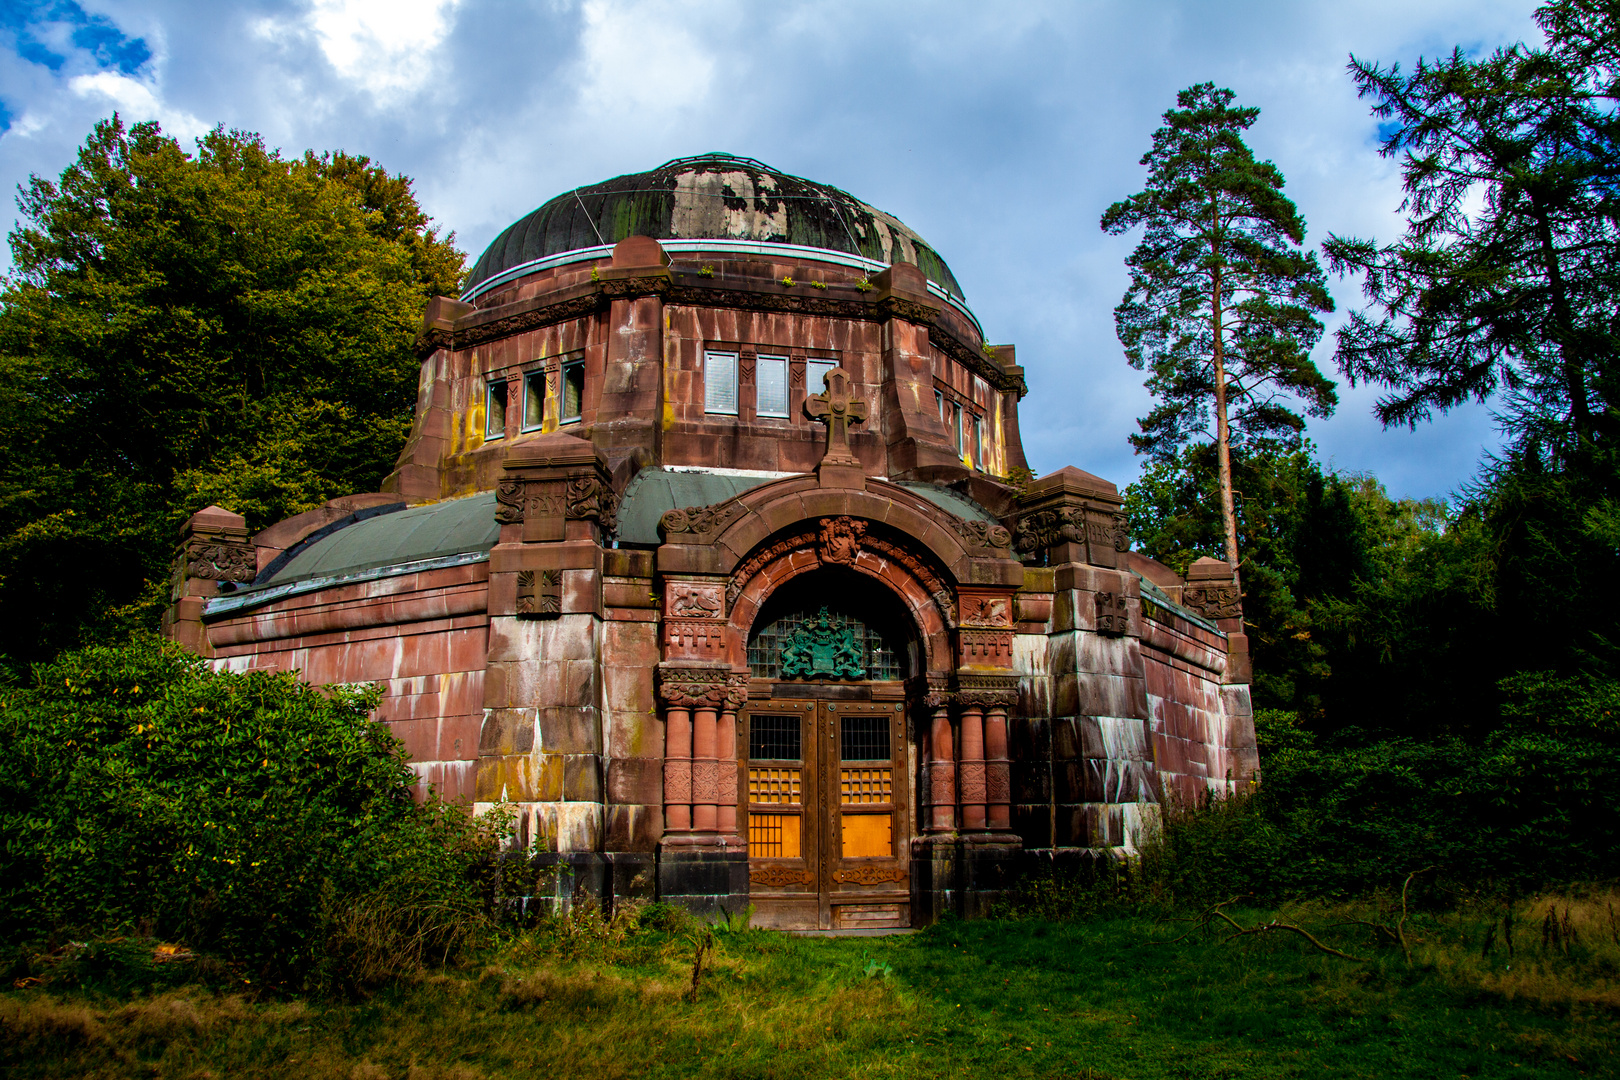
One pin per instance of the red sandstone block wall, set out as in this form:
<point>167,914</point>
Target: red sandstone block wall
<point>424,637</point>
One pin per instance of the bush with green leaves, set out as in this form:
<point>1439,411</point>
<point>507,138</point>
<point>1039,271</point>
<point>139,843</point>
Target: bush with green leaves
<point>1534,804</point>
<point>247,814</point>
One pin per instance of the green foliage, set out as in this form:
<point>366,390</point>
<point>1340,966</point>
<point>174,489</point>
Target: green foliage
<point>1222,302</point>
<point>1534,805</point>
<point>248,815</point>
<point>228,326</point>
<point>1506,282</point>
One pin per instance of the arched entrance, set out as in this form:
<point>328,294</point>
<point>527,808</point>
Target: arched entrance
<point>825,762</point>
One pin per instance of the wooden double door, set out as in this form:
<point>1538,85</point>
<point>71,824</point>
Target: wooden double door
<point>825,804</point>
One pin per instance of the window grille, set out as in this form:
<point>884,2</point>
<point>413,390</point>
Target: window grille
<point>772,386</point>
<point>883,659</point>
<point>774,738</point>
<point>865,738</point>
<point>720,383</point>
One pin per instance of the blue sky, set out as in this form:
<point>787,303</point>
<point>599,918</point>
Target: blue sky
<point>998,132</point>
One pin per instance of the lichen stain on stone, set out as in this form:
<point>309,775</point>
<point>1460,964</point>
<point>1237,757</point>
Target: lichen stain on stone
<point>736,204</point>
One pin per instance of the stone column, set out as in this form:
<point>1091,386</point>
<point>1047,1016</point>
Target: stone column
<point>997,770</point>
<point>677,769</point>
<point>970,772</point>
<point>939,785</point>
<point>726,740</point>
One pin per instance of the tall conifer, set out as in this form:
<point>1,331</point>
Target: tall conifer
<point>1222,303</point>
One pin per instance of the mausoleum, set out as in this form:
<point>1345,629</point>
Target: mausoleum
<point>714,554</point>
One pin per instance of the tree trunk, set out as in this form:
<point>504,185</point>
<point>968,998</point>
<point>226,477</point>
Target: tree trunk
<point>1569,351</point>
<point>1223,447</point>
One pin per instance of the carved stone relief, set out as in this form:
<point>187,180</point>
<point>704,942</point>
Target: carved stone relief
<point>539,592</point>
<point>1112,616</point>
<point>700,521</point>
<point>1213,601</point>
<point>221,562</point>
<point>841,540</point>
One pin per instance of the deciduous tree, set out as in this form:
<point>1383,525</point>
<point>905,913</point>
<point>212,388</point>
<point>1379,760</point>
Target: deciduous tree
<point>226,326</point>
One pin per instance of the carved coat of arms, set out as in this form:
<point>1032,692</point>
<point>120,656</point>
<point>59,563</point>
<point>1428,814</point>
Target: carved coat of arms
<point>820,649</point>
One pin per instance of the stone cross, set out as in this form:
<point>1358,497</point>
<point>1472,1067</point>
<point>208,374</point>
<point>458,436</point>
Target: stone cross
<point>837,410</point>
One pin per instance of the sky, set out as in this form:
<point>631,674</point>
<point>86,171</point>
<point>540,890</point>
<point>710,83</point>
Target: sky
<point>999,132</point>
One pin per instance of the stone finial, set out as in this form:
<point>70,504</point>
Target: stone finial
<point>214,547</point>
<point>1212,591</point>
<point>1071,516</point>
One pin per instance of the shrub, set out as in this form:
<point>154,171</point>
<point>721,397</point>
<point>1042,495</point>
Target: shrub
<point>251,815</point>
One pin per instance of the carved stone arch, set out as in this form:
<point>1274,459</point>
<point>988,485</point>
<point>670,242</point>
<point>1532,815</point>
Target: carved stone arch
<point>908,569</point>
<point>735,528</point>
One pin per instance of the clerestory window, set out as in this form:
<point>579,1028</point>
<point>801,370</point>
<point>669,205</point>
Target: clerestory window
<point>720,383</point>
<point>573,392</point>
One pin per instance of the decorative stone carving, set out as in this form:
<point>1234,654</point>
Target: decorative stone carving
<point>988,648</point>
<point>870,875</point>
<point>1213,602</point>
<point>998,782</point>
<point>941,783</point>
<point>1047,528</point>
<point>678,780</point>
<point>693,687</point>
<point>697,634</point>
<point>592,497</point>
<point>763,558</point>
<point>820,650</point>
<point>214,561</point>
<point>987,691</point>
<point>539,592</point>
<point>777,877</point>
<point>689,601</point>
<point>701,521</point>
<point>970,774</point>
<point>981,533</point>
<point>986,611</point>
<point>838,410</point>
<point>1112,616</point>
<point>938,693</point>
<point>706,779</point>
<point>841,540</point>
<point>509,502</point>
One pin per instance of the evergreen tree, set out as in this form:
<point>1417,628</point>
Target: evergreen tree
<point>1506,283</point>
<point>229,327</point>
<point>1222,303</point>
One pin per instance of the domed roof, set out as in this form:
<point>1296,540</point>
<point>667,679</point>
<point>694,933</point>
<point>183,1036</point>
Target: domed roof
<point>710,197</point>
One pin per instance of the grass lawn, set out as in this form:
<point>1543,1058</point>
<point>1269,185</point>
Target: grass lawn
<point>1105,998</point>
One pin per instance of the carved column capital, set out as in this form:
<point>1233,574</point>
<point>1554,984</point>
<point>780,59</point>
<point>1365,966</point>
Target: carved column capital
<point>692,687</point>
<point>987,691</point>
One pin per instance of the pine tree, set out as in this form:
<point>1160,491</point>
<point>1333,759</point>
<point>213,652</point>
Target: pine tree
<point>1222,303</point>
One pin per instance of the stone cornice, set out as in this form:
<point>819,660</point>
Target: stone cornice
<point>548,309</point>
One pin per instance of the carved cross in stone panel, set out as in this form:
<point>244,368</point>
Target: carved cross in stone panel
<point>837,409</point>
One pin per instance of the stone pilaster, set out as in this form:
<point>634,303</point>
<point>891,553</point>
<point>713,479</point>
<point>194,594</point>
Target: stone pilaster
<point>214,556</point>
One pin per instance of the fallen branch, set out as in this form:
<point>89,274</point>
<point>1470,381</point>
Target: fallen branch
<point>1243,931</point>
<point>1400,927</point>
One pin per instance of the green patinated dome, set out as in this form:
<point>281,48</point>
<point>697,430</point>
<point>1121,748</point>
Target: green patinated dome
<point>711,197</point>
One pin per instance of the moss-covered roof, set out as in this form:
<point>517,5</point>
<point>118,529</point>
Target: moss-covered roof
<point>711,197</point>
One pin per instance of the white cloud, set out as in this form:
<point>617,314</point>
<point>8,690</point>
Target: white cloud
<point>137,101</point>
<point>642,61</point>
<point>385,46</point>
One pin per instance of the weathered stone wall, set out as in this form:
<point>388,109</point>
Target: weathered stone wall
<point>1116,719</point>
<point>423,636</point>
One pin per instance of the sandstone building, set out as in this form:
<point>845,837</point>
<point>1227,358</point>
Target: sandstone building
<point>713,552</point>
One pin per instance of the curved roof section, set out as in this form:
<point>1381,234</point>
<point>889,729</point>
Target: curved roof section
<point>433,531</point>
<point>711,197</point>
